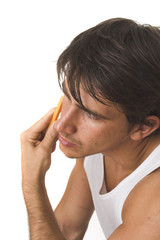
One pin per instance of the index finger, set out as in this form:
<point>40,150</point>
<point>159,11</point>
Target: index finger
<point>43,123</point>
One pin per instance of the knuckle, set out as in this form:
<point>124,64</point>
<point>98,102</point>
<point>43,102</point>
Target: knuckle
<point>23,136</point>
<point>51,134</point>
<point>43,151</point>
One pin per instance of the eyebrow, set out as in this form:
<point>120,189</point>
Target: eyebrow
<point>65,91</point>
<point>92,112</point>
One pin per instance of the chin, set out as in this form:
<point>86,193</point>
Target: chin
<point>71,154</point>
<point>75,153</point>
<point>68,154</point>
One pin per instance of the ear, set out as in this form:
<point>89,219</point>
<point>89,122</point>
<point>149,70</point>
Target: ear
<point>141,131</point>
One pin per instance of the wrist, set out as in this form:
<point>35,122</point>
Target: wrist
<point>30,186</point>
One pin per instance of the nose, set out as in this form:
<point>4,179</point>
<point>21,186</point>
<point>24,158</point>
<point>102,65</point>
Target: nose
<point>67,122</point>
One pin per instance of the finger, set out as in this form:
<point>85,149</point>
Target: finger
<point>42,124</point>
<point>50,139</point>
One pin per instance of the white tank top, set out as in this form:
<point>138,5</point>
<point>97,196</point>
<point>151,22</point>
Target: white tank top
<point>109,206</point>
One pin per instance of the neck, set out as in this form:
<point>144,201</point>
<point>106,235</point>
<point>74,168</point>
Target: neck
<point>132,154</point>
<point>121,163</point>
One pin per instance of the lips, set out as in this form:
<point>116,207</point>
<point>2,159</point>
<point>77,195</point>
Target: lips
<point>64,142</point>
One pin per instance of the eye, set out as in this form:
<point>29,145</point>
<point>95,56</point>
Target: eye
<point>92,116</point>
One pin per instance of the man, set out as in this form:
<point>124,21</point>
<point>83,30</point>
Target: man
<point>110,122</point>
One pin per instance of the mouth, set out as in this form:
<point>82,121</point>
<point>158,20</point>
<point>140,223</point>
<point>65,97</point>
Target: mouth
<point>65,142</point>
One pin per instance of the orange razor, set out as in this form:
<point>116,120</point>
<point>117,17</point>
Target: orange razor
<point>57,111</point>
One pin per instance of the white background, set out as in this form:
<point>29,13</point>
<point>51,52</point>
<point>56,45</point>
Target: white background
<point>32,35</point>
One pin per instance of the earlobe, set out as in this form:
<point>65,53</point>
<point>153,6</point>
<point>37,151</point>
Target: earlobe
<point>142,131</point>
<point>136,133</point>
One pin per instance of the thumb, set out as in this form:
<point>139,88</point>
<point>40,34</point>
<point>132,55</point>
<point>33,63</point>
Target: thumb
<point>50,138</point>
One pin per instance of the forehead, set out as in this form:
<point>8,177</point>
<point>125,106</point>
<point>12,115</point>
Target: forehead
<point>92,103</point>
<point>80,93</point>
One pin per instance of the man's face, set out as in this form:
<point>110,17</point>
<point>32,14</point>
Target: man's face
<point>96,129</point>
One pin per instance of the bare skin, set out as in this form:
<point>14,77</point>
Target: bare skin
<point>36,160</point>
<point>123,152</point>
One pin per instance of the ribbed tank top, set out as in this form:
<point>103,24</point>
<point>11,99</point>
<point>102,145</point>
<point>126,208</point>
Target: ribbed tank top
<point>109,206</point>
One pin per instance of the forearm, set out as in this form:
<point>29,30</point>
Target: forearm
<point>42,222</point>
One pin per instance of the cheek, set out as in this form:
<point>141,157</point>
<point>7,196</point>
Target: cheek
<point>92,133</point>
<point>101,134</point>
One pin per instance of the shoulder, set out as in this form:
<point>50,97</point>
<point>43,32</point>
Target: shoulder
<point>146,190</point>
<point>142,207</point>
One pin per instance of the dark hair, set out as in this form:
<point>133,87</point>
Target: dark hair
<point>117,60</point>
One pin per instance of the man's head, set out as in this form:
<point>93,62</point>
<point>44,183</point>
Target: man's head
<point>118,61</point>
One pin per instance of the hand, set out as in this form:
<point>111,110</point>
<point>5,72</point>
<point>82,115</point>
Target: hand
<point>37,144</point>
